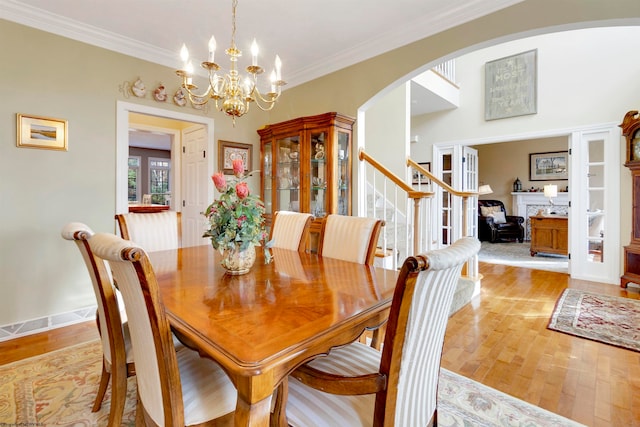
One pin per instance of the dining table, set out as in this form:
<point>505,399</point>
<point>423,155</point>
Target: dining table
<point>260,326</point>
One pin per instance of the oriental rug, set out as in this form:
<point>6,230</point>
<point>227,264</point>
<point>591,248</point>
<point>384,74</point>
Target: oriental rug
<point>608,319</point>
<point>58,389</point>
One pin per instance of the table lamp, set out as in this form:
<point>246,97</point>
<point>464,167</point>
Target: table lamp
<point>550,191</point>
<point>484,189</point>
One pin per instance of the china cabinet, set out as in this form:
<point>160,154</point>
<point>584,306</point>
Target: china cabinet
<point>631,131</point>
<point>306,166</point>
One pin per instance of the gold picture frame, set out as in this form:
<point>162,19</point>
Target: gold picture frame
<point>41,132</point>
<point>228,151</point>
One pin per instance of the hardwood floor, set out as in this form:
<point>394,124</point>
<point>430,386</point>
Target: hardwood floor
<point>501,340</point>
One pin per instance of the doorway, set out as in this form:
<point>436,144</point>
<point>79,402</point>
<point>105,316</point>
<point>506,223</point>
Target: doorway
<point>594,153</point>
<point>182,137</point>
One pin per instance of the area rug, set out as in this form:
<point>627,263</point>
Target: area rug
<point>518,255</point>
<point>608,319</point>
<point>58,388</point>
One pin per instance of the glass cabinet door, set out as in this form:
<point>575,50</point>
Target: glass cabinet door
<point>267,167</point>
<point>318,174</point>
<point>344,173</point>
<point>288,173</point>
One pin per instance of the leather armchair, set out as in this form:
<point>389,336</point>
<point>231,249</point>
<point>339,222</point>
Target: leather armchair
<point>492,231</point>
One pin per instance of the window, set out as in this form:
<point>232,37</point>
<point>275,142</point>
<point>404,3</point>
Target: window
<point>159,183</point>
<point>134,179</point>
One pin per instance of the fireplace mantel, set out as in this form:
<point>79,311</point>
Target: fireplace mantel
<point>528,203</point>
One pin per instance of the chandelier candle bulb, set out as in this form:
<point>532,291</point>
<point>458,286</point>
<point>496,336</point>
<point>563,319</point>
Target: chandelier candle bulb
<point>212,49</point>
<point>184,55</point>
<point>278,68</point>
<point>254,53</point>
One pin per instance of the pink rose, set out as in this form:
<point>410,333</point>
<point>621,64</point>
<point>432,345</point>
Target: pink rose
<point>242,190</point>
<point>219,181</point>
<point>238,167</point>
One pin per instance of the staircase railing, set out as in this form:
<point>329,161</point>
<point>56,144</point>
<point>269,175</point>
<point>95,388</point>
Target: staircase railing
<point>404,210</point>
<point>409,212</point>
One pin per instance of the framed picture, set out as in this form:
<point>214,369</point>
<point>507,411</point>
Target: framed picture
<point>419,178</point>
<point>41,132</point>
<point>229,151</point>
<point>510,86</point>
<point>551,166</point>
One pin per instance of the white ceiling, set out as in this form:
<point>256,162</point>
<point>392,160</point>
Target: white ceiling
<point>313,38</point>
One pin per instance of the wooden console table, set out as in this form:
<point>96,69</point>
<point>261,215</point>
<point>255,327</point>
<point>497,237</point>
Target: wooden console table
<point>549,234</point>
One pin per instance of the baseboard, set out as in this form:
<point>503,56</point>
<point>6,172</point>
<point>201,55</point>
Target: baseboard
<point>42,324</point>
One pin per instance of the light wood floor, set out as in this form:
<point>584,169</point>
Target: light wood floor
<point>500,340</point>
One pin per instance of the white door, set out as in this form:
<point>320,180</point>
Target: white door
<point>594,217</point>
<point>470,183</point>
<point>458,167</point>
<point>195,181</point>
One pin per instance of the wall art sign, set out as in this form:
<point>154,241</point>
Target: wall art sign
<point>41,132</point>
<point>229,151</point>
<point>510,87</point>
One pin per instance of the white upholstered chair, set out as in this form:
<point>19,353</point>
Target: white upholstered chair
<point>352,238</point>
<point>398,386</point>
<point>156,231</point>
<point>117,361</point>
<point>349,238</point>
<point>174,388</point>
<point>290,230</point>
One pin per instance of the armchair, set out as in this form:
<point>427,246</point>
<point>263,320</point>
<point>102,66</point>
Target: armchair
<point>495,225</point>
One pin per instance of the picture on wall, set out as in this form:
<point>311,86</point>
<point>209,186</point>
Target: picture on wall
<point>550,166</point>
<point>419,178</point>
<point>41,132</point>
<point>229,151</point>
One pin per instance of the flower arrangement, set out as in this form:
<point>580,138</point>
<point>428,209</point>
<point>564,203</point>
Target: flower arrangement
<point>236,219</point>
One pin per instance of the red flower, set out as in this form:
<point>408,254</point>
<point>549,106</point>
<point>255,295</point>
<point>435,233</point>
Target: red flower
<point>219,181</point>
<point>242,190</point>
<point>238,168</point>
<point>242,219</point>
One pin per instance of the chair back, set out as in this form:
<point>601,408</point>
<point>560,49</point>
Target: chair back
<point>156,231</point>
<point>109,319</point>
<point>289,230</point>
<point>158,378</point>
<point>349,238</point>
<point>415,333</point>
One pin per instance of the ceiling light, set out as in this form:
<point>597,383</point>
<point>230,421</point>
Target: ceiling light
<point>232,92</point>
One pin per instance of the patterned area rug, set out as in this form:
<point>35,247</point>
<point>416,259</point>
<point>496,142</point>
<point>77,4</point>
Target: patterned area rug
<point>519,255</point>
<point>58,388</point>
<point>608,319</point>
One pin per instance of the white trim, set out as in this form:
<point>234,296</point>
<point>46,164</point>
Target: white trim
<point>47,323</point>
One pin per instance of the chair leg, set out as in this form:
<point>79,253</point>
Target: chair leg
<point>118,395</point>
<point>378,337</point>
<point>102,388</point>
<point>140,419</point>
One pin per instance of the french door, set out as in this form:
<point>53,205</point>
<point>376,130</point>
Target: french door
<point>594,213</point>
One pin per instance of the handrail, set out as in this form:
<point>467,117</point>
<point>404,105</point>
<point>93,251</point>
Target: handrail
<point>442,184</point>
<point>393,177</point>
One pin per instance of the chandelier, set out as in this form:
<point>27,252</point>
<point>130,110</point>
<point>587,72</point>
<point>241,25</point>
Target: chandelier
<point>232,93</point>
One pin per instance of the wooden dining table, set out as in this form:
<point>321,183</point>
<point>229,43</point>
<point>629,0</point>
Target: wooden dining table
<point>261,325</point>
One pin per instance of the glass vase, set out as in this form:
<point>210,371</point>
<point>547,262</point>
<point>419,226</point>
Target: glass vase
<point>237,261</point>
